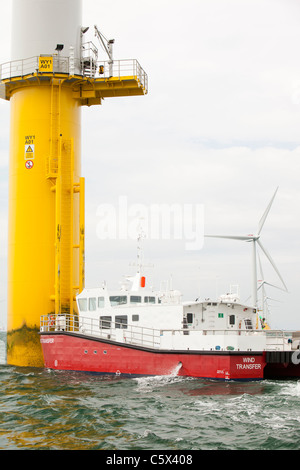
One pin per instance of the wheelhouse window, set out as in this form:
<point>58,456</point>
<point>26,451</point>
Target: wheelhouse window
<point>121,321</point>
<point>135,317</point>
<point>104,322</point>
<point>149,300</point>
<point>248,324</point>
<point>118,300</point>
<point>189,317</point>
<point>100,302</point>
<point>82,305</point>
<point>92,304</point>
<point>135,299</point>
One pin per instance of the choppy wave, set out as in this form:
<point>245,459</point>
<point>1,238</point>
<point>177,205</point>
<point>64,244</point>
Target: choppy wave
<point>43,409</point>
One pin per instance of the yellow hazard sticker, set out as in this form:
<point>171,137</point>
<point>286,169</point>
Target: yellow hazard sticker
<point>29,151</point>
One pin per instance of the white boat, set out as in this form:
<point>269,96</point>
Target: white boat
<point>137,331</point>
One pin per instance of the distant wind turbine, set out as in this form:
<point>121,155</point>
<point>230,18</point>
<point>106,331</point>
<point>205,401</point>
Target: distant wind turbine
<point>264,300</point>
<point>255,240</point>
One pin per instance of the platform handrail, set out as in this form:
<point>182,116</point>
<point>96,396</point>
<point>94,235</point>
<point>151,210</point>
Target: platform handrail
<point>66,65</point>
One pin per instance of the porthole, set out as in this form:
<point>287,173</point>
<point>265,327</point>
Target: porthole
<point>104,351</point>
<point>85,351</point>
<point>95,351</point>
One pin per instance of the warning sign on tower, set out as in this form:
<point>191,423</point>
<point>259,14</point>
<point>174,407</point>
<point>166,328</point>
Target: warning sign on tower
<point>29,151</point>
<point>29,164</point>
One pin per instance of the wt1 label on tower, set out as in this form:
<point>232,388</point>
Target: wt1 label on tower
<point>45,64</point>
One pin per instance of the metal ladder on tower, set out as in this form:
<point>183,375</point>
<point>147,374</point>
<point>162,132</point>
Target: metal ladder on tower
<point>59,171</point>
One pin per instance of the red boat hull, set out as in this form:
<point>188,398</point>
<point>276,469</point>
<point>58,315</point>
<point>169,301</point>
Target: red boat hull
<point>67,351</point>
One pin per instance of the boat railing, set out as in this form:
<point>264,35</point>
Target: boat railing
<point>279,340</point>
<point>149,337</point>
<point>275,339</point>
<point>103,328</point>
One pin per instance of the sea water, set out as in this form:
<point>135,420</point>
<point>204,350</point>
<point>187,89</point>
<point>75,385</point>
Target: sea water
<point>58,410</point>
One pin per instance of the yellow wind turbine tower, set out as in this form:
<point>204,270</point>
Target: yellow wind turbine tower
<point>52,73</point>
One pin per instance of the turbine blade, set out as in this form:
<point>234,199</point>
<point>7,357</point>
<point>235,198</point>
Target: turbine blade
<point>276,287</point>
<point>261,285</point>
<point>265,214</point>
<point>232,237</point>
<point>272,263</point>
<point>274,300</point>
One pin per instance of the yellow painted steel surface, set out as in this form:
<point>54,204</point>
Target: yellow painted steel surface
<point>43,212</point>
<point>46,193</point>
